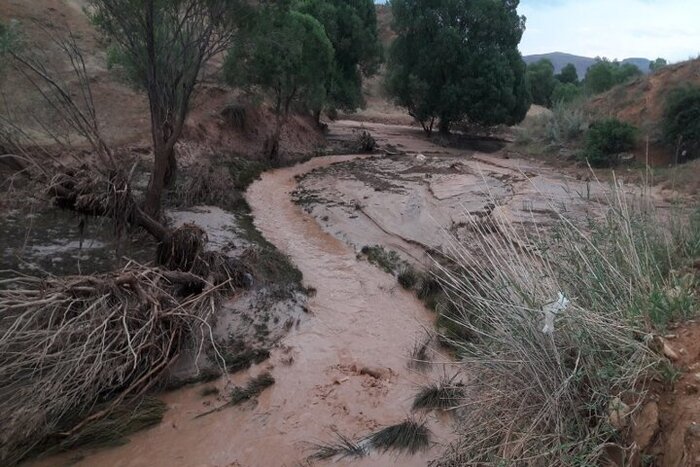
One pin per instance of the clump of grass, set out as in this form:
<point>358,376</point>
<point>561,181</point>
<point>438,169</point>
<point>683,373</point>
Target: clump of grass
<point>388,261</point>
<point>365,142</point>
<point>419,353</point>
<point>253,388</point>
<point>342,448</point>
<point>209,391</point>
<point>408,277</point>
<point>538,396</point>
<point>123,420</point>
<point>443,395</point>
<point>408,436</point>
<point>430,291</point>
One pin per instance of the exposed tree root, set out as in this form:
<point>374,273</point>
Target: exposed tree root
<point>67,344</point>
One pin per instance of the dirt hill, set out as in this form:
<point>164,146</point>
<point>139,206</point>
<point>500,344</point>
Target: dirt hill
<point>641,102</point>
<point>122,111</point>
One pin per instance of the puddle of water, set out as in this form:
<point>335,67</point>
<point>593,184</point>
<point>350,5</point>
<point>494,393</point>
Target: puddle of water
<point>50,242</point>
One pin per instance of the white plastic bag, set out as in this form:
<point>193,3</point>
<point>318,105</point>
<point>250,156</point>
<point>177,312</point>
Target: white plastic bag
<point>551,310</point>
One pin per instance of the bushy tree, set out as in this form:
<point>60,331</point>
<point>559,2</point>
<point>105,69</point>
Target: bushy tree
<point>352,30</point>
<point>681,124</point>
<point>605,74</point>
<point>162,45</point>
<point>658,64</point>
<point>566,93</point>
<point>287,56</point>
<point>458,59</point>
<point>568,74</point>
<point>542,82</point>
<point>606,139</point>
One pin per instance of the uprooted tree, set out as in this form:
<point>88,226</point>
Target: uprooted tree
<point>458,60</point>
<point>163,45</point>
<point>74,350</point>
<point>286,55</point>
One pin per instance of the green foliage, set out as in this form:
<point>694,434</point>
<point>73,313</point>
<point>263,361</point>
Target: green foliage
<point>409,436</point>
<point>285,54</point>
<point>9,36</point>
<point>542,82</point>
<point>568,75</point>
<point>658,64</point>
<point>458,59</point>
<point>606,139</point>
<point>351,28</point>
<point>388,261</point>
<point>566,93</point>
<point>681,124</point>
<point>604,75</point>
<point>408,277</point>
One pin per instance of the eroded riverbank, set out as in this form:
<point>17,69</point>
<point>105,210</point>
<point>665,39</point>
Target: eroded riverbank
<point>360,319</point>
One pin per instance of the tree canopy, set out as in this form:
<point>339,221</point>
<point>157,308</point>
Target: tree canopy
<point>458,59</point>
<point>542,82</point>
<point>568,75</point>
<point>287,56</point>
<point>657,64</point>
<point>351,28</point>
<point>681,124</point>
<point>162,45</point>
<point>605,74</point>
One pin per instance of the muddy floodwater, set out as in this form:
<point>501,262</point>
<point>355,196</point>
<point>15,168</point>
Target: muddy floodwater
<point>345,367</point>
<point>360,319</point>
<point>51,241</point>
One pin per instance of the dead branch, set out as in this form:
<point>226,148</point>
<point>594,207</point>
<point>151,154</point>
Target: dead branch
<point>67,344</point>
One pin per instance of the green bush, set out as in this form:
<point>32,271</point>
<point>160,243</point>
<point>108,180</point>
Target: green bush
<point>681,124</point>
<point>566,93</point>
<point>606,139</point>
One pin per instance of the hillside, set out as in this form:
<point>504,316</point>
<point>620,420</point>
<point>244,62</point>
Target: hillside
<point>561,59</point>
<point>122,111</point>
<point>641,101</point>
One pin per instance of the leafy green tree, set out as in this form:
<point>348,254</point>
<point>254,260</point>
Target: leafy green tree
<point>600,76</point>
<point>604,75</point>
<point>542,82</point>
<point>352,30</point>
<point>566,93</point>
<point>568,75</point>
<point>287,56</point>
<point>658,64</point>
<point>458,59</point>
<point>606,139</point>
<point>625,72</point>
<point>162,45</point>
<point>681,124</point>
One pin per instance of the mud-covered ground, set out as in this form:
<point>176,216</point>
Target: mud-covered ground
<point>419,195</point>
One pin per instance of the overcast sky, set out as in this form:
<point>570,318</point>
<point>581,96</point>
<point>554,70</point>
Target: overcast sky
<point>613,28</point>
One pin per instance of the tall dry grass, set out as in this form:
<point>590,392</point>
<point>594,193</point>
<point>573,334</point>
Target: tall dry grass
<point>543,398</point>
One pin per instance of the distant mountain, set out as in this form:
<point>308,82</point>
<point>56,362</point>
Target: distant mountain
<point>560,60</point>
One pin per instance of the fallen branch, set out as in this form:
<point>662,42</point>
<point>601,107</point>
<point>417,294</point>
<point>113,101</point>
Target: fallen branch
<point>68,344</point>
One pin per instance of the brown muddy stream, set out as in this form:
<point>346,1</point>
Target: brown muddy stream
<point>360,318</point>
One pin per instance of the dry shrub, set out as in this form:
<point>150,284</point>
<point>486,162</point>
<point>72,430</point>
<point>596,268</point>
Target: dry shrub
<point>67,344</point>
<point>204,183</point>
<point>365,142</point>
<point>235,116</point>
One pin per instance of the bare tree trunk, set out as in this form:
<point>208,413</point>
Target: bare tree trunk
<point>158,182</point>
